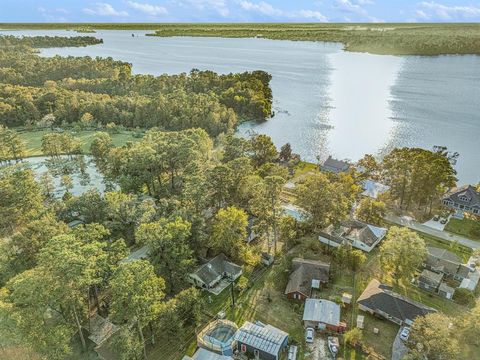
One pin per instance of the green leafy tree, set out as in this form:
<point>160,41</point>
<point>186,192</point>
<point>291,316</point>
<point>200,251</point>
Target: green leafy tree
<point>21,200</point>
<point>285,154</point>
<point>354,337</point>
<point>169,249</point>
<point>263,150</point>
<point>323,203</point>
<point>229,231</point>
<point>137,294</point>
<point>371,211</point>
<point>402,252</point>
<point>434,337</point>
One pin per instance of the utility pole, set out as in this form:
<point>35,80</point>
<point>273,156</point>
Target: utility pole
<point>233,294</point>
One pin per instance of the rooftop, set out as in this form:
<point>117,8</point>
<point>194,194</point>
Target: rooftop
<point>266,338</point>
<point>378,296</point>
<point>304,273</point>
<point>323,311</point>
<point>466,195</point>
<point>373,189</point>
<point>215,268</point>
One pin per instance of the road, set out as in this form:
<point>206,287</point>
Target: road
<point>407,222</point>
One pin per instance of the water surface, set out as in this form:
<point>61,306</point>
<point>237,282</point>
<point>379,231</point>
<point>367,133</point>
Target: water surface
<point>327,101</point>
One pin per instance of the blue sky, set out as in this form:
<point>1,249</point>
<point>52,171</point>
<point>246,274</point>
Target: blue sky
<point>239,11</point>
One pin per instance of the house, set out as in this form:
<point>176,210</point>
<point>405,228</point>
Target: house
<point>100,332</point>
<point>360,235</point>
<point>379,299</point>
<point>433,282</point>
<point>335,166</point>
<point>305,276</point>
<point>216,274</point>
<point>260,341</point>
<point>463,199</point>
<point>323,315</point>
<point>446,262</point>
<point>373,189</point>
<point>267,259</point>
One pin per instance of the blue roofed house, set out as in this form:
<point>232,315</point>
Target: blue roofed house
<point>373,189</point>
<point>260,341</point>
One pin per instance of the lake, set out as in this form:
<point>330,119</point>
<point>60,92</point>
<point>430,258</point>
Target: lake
<point>81,169</point>
<point>327,101</point>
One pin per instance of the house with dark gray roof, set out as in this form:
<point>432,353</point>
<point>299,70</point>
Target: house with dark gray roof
<point>335,166</point>
<point>379,299</point>
<point>360,235</point>
<point>463,199</point>
<point>306,275</point>
<point>446,262</point>
<point>216,274</point>
<point>261,341</point>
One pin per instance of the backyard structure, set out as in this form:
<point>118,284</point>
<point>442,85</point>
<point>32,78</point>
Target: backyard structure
<point>306,276</point>
<point>334,166</point>
<point>260,341</point>
<point>216,275</point>
<point>218,337</point>
<point>463,199</point>
<point>373,189</point>
<point>360,235</point>
<point>379,299</point>
<point>433,282</point>
<point>100,331</point>
<point>323,315</point>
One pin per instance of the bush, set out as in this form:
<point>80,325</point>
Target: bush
<point>464,296</point>
<point>354,337</point>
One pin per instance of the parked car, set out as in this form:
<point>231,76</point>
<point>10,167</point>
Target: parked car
<point>309,335</point>
<point>405,333</point>
<point>436,218</point>
<point>443,221</point>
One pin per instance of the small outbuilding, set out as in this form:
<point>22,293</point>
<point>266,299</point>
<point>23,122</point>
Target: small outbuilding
<point>323,315</point>
<point>260,341</point>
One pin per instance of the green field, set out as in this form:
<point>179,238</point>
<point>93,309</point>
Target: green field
<point>394,39</point>
<point>33,139</point>
<point>464,227</point>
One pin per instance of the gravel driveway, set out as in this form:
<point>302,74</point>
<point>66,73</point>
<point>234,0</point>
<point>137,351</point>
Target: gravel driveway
<point>319,349</point>
<point>399,350</point>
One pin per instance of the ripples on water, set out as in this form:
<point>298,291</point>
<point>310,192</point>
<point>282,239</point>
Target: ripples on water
<point>328,101</point>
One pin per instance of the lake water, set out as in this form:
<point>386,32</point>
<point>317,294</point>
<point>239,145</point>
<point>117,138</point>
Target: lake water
<point>327,101</point>
<point>81,169</point>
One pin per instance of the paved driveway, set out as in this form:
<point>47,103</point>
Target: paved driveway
<point>437,225</point>
<point>399,350</point>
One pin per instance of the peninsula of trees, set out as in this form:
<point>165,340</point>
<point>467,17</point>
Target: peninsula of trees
<point>66,88</point>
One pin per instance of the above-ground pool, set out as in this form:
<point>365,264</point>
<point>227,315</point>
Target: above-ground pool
<point>218,336</point>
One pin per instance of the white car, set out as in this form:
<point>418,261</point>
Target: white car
<point>405,333</point>
<point>309,335</point>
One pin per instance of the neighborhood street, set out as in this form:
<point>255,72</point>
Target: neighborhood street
<point>408,222</point>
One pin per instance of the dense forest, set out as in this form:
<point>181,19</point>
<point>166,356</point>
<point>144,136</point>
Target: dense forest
<point>48,41</point>
<point>32,87</point>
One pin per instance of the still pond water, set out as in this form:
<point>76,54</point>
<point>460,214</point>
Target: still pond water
<point>327,101</point>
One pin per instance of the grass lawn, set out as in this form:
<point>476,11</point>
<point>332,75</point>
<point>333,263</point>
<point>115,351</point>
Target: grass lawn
<point>33,140</point>
<point>464,227</point>
<point>304,167</point>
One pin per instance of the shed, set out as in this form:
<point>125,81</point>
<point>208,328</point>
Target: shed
<point>360,321</point>
<point>323,315</point>
<point>347,298</point>
<point>264,342</point>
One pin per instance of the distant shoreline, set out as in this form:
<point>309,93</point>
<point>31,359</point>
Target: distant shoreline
<point>382,39</point>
